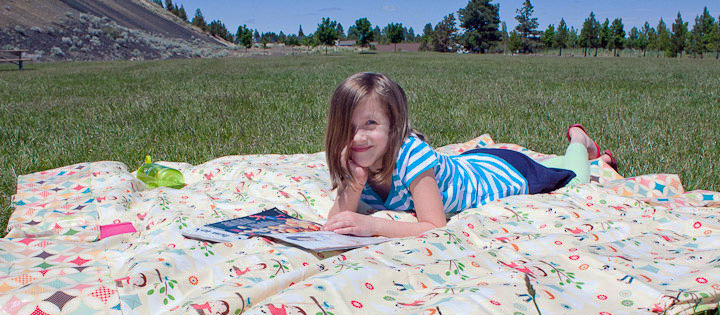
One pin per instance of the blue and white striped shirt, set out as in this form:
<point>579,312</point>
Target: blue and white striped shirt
<point>465,181</point>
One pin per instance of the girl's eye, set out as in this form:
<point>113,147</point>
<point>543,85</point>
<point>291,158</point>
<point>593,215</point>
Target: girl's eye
<point>371,122</point>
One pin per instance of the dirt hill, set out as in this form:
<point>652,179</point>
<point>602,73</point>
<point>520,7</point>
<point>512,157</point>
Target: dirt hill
<point>100,30</point>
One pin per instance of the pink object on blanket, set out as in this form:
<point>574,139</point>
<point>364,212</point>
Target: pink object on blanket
<point>115,229</point>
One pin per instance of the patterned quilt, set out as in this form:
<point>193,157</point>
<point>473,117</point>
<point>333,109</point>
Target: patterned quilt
<point>618,245</point>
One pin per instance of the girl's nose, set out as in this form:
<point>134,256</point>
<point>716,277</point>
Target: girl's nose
<point>360,136</point>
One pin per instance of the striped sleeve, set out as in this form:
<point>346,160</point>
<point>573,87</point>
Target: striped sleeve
<point>414,158</point>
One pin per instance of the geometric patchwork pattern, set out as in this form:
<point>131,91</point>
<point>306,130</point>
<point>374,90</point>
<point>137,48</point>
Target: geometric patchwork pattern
<point>133,301</point>
<point>59,298</point>
<point>57,213</point>
<point>23,279</point>
<point>103,293</point>
<point>44,255</point>
<point>79,261</point>
<point>57,284</point>
<point>43,265</point>
<point>38,311</point>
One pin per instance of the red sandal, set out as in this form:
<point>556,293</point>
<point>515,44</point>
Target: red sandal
<point>613,162</point>
<point>567,133</point>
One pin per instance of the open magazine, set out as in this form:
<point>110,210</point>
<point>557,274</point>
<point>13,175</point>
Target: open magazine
<point>325,240</point>
<point>276,224</point>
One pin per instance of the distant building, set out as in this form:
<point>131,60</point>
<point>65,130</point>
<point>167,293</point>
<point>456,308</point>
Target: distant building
<point>346,43</point>
<point>407,47</point>
<point>351,43</point>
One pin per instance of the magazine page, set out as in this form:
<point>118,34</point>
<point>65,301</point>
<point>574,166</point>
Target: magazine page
<point>325,240</point>
<point>204,233</point>
<point>267,221</point>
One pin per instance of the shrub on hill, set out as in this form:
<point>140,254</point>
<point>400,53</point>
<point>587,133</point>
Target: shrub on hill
<point>88,37</point>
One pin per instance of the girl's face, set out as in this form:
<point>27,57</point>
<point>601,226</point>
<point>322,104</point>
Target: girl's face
<point>372,127</point>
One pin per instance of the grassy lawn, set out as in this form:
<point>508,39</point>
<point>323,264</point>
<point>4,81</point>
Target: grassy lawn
<point>657,115</point>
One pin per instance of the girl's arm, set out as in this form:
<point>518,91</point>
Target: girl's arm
<point>428,207</point>
<point>348,199</point>
<point>349,194</point>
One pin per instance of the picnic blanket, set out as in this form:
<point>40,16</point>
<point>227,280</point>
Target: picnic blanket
<point>614,246</point>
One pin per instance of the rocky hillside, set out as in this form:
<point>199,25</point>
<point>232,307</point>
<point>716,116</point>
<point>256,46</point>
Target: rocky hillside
<point>101,30</point>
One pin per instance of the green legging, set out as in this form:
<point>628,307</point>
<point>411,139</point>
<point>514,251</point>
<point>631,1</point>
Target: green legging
<point>576,160</point>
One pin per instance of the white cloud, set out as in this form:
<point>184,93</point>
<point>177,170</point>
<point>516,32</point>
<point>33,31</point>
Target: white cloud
<point>389,8</point>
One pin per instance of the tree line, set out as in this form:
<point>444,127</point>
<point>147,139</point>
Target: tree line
<point>483,32</point>
<point>478,29</point>
<point>327,32</point>
<point>703,38</point>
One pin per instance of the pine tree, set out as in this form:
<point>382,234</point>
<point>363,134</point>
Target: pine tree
<point>217,28</point>
<point>394,32</point>
<point>633,38</point>
<point>364,34</point>
<point>169,5</point>
<point>617,36</point>
<point>182,14</point>
<point>199,20</point>
<point>588,33</point>
<point>426,42</point>
<point>605,35</point>
<point>410,35</point>
<point>548,37</point>
<point>480,19</point>
<point>702,33</point>
<point>300,33</point>
<point>327,32</point>
<point>444,34</point>
<point>244,37</point>
<point>352,33</point>
<point>340,31</point>
<point>662,37</point>
<point>527,25</point>
<point>504,37</point>
<point>561,38</point>
<point>377,34</point>
<point>514,41</point>
<point>715,38</point>
<point>292,40</point>
<point>644,37</point>
<point>677,40</point>
<point>572,40</point>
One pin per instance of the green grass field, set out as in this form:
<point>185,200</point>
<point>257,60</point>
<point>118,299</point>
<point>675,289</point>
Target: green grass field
<point>657,115</point>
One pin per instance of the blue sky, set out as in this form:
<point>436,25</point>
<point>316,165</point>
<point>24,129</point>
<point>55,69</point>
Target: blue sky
<point>288,15</point>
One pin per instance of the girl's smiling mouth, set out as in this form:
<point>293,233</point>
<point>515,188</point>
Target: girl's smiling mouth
<point>360,149</point>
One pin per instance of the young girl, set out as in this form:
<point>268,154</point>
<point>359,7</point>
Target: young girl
<point>375,156</point>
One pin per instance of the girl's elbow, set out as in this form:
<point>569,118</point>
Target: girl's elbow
<point>437,224</point>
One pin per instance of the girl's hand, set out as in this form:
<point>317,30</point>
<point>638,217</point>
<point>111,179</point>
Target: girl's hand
<point>347,222</point>
<point>360,173</point>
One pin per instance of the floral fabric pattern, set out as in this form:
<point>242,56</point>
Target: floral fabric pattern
<point>614,246</point>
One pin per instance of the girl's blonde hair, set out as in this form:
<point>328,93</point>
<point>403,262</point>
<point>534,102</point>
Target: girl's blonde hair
<point>353,90</point>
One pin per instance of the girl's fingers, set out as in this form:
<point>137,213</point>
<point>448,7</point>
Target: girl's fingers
<point>345,230</point>
<point>331,224</point>
<point>340,227</point>
<point>343,158</point>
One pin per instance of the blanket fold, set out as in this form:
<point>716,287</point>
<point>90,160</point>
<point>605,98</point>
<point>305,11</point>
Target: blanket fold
<point>616,245</point>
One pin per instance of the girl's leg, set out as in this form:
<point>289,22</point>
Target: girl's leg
<point>576,156</point>
<point>576,160</point>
